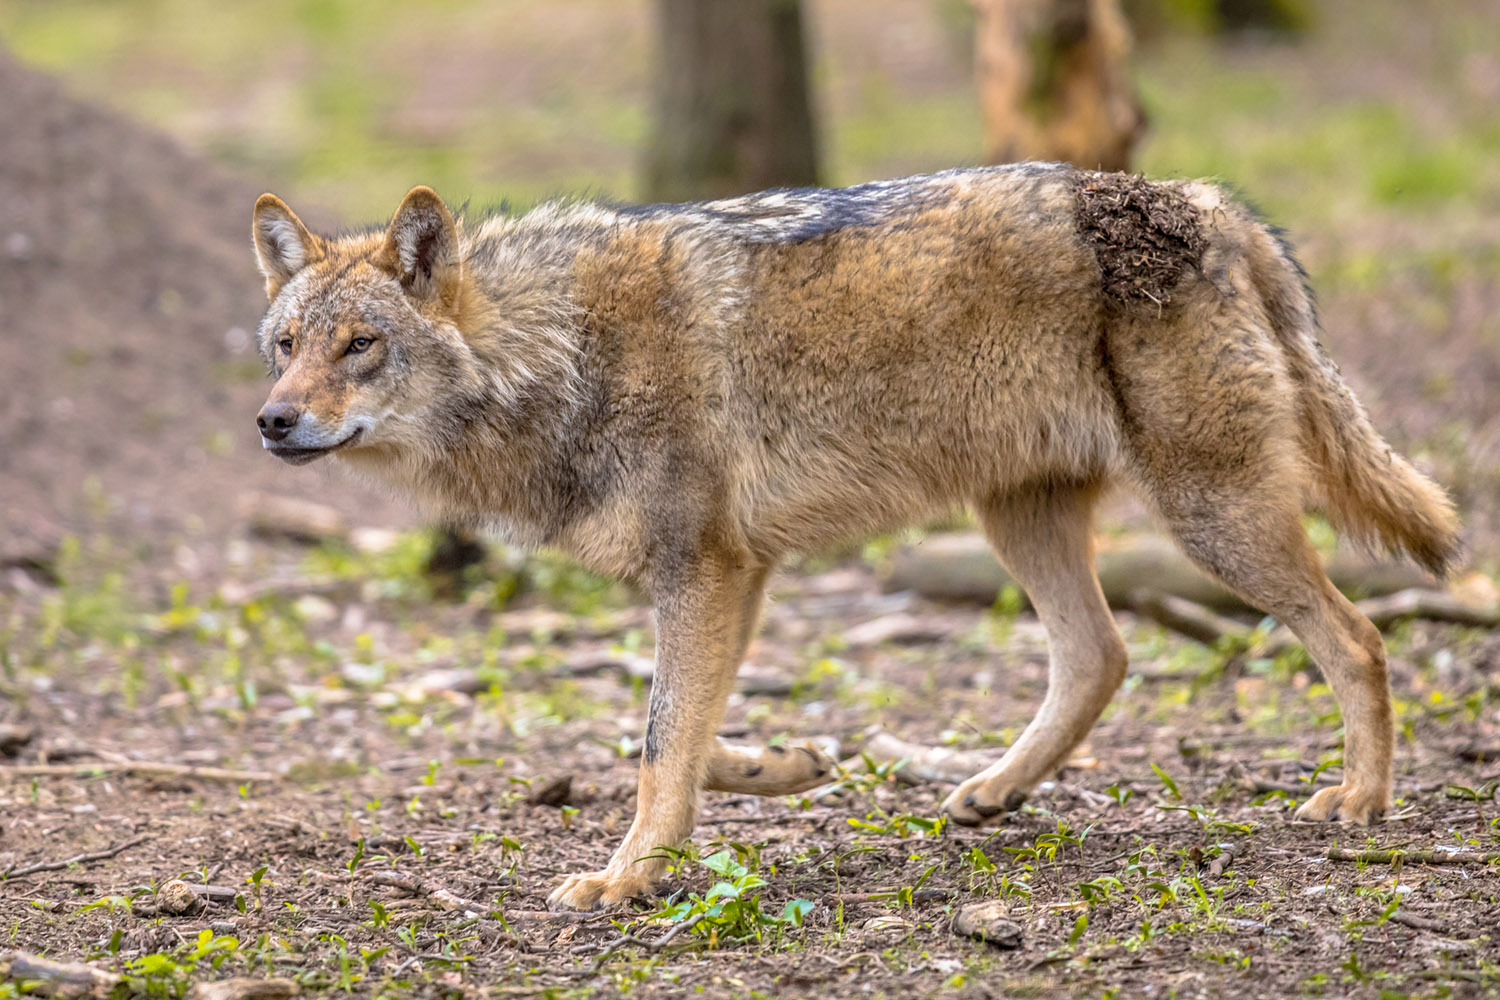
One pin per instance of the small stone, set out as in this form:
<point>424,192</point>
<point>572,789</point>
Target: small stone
<point>246,988</point>
<point>315,610</point>
<point>275,516</point>
<point>374,541</point>
<point>900,628</point>
<point>988,922</point>
<point>883,924</point>
<point>18,246</point>
<point>177,897</point>
<point>363,674</point>
<point>457,679</point>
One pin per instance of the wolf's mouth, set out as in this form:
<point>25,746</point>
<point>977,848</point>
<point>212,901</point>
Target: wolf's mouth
<point>301,456</point>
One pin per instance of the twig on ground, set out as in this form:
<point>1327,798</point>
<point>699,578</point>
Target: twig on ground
<point>52,866</point>
<point>884,895</point>
<point>423,957</point>
<point>135,767</point>
<point>1417,922</point>
<point>1397,856</point>
<point>1227,853</point>
<point>561,916</point>
<point>650,945</point>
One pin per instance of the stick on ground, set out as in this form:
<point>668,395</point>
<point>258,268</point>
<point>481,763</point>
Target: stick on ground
<point>52,866</point>
<point>135,767</point>
<point>1416,857</point>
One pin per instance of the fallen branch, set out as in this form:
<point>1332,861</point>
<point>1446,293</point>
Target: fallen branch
<point>1186,617</point>
<point>1397,856</point>
<point>1198,622</point>
<point>962,567</point>
<point>52,866</point>
<point>1431,605</point>
<point>145,768</point>
<point>41,977</point>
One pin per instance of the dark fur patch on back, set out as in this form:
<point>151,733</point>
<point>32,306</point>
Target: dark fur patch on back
<point>1143,234</point>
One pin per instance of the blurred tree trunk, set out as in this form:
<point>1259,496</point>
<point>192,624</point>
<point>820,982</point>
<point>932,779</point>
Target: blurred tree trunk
<point>1053,82</point>
<point>732,109</point>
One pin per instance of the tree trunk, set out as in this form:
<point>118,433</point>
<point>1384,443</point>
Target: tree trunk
<point>732,109</point>
<point>1053,82</point>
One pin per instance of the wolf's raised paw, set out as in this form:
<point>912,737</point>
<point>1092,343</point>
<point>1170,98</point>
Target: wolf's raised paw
<point>776,770</point>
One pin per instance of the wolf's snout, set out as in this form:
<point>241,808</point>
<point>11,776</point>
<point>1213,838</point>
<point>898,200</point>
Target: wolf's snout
<point>276,420</point>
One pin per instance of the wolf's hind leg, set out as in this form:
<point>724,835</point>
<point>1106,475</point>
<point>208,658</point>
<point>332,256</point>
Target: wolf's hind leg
<point>1044,537</point>
<point>773,770</point>
<point>1265,557</point>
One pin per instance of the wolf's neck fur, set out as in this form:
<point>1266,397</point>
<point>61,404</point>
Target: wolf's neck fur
<point>516,405</point>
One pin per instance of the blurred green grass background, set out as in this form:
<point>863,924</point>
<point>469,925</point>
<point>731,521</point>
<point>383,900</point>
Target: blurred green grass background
<point>1380,120</point>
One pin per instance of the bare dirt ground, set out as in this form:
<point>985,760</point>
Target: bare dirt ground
<point>425,792</point>
<point>419,772</point>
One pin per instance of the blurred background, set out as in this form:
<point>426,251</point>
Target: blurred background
<point>1367,130</point>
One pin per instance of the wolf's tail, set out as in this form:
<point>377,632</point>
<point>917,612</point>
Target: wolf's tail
<point>1367,489</point>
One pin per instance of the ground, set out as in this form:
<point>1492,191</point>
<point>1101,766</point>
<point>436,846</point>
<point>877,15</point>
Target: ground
<point>427,741</point>
<point>472,740</point>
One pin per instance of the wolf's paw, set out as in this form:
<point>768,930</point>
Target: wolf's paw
<point>977,801</point>
<point>592,890</point>
<point>768,771</point>
<point>1345,803</point>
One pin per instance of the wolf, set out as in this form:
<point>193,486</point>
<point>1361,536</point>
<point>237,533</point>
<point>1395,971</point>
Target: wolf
<point>681,395</point>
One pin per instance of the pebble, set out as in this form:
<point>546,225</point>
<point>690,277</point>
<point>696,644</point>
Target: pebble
<point>988,922</point>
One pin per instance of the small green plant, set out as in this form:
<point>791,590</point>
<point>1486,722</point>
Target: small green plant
<point>255,879</point>
<point>731,909</point>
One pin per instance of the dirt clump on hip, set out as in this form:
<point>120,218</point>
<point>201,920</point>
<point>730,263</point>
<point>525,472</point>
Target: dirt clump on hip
<point>1143,234</point>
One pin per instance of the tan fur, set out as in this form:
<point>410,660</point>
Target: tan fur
<point>682,395</point>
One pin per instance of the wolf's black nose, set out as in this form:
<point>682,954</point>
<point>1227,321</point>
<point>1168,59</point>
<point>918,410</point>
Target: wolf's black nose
<point>276,420</point>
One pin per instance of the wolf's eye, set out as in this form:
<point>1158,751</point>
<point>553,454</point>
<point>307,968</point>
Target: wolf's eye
<point>359,344</point>
<point>285,343</point>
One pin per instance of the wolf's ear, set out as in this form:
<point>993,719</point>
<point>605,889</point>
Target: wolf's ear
<point>421,247</point>
<point>282,243</point>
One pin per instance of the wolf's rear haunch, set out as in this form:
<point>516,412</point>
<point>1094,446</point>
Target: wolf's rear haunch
<point>682,394</point>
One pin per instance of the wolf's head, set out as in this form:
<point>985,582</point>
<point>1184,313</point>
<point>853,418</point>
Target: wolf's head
<point>364,333</point>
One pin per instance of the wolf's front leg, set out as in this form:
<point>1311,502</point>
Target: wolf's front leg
<point>702,629</point>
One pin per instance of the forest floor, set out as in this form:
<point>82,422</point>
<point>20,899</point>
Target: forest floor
<point>422,760</point>
<point>419,773</point>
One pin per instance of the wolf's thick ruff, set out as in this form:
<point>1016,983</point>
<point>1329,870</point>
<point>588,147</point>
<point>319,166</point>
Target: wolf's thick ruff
<point>682,394</point>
